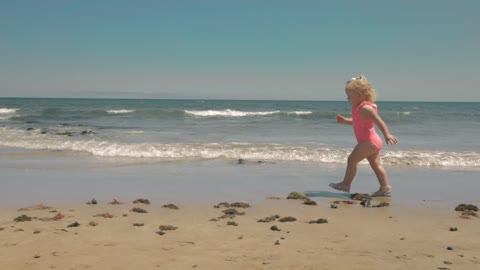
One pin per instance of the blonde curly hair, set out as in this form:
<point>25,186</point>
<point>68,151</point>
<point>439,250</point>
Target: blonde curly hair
<point>362,86</point>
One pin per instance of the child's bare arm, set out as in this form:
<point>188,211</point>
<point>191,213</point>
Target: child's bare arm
<point>343,120</point>
<point>369,112</point>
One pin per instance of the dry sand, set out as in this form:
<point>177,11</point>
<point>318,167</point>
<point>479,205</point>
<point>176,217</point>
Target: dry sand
<point>394,237</point>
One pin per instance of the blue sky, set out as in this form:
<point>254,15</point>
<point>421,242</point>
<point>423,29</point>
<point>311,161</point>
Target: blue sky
<point>294,50</point>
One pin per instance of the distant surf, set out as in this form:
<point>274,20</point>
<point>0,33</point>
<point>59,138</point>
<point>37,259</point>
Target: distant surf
<point>120,111</point>
<point>236,113</point>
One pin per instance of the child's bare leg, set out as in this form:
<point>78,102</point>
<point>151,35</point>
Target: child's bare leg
<point>379,170</point>
<point>360,152</point>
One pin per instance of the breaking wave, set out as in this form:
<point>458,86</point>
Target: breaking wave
<point>235,113</point>
<point>229,151</point>
<point>120,111</point>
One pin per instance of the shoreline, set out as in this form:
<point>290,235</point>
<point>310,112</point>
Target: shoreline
<point>56,177</point>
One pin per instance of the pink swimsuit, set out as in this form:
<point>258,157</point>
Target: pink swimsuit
<point>364,129</point>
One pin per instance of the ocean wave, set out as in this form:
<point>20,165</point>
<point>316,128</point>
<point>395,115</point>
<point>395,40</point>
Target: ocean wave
<point>7,110</point>
<point>236,113</point>
<point>7,113</point>
<point>120,111</point>
<point>230,151</point>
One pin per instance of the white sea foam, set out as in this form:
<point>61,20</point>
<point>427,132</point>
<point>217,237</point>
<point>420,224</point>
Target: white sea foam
<point>230,151</point>
<point>7,110</point>
<point>120,111</point>
<point>7,113</point>
<point>235,113</point>
<point>300,112</point>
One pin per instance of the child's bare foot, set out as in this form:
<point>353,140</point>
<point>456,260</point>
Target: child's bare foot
<point>340,186</point>
<point>385,191</point>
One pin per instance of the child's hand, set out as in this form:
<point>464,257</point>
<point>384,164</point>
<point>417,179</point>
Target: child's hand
<point>340,119</point>
<point>390,139</point>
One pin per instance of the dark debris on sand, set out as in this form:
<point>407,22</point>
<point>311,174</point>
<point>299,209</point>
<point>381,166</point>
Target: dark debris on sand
<point>164,228</point>
<point>104,215</point>
<point>167,228</point>
<point>36,207</point>
<point>468,210</point>
<point>92,201</point>
<point>310,202</point>
<point>74,224</point>
<point>57,217</point>
<point>139,210</point>
<point>318,221</point>
<point>382,204</point>
<point>466,207</point>
<point>297,196</point>
<point>275,228</point>
<point>269,219</point>
<point>22,218</point>
<point>231,213</point>
<point>468,214</point>
<point>233,205</point>
<point>141,200</point>
<point>287,219</point>
<point>360,197</point>
<point>115,202</point>
<point>171,206</point>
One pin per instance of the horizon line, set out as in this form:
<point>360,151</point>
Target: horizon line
<point>226,99</point>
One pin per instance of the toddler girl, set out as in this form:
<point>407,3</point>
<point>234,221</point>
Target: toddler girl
<point>364,118</point>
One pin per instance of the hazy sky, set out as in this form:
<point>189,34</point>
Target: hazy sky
<point>295,50</point>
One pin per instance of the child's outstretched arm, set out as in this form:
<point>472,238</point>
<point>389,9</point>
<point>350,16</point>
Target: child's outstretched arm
<point>343,120</point>
<point>369,112</point>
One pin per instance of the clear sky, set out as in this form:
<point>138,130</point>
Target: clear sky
<point>410,50</point>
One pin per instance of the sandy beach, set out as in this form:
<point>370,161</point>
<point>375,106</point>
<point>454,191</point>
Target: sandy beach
<point>46,223</point>
<point>200,236</point>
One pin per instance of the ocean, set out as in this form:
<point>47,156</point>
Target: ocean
<point>70,150</point>
<point>431,134</point>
